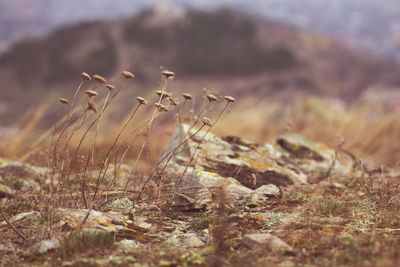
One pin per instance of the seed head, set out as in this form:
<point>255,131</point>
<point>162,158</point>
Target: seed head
<point>229,98</point>
<point>142,101</point>
<point>163,94</point>
<point>168,74</point>
<point>86,76</point>
<point>99,78</point>
<point>127,74</point>
<point>211,97</point>
<point>206,121</point>
<point>110,87</point>
<point>161,107</point>
<point>187,96</point>
<point>91,93</point>
<point>63,101</point>
<point>92,105</point>
<point>173,101</point>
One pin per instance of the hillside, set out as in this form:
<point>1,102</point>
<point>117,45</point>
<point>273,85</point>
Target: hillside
<point>255,56</point>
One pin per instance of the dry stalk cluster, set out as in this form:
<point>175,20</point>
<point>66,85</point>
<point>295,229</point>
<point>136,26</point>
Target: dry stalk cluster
<point>81,177</point>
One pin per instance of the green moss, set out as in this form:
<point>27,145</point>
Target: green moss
<point>330,206</point>
<point>201,222</point>
<point>76,243</point>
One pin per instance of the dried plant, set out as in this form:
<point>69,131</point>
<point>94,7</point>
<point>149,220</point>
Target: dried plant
<point>99,79</point>
<point>63,101</point>
<point>91,93</point>
<point>127,74</point>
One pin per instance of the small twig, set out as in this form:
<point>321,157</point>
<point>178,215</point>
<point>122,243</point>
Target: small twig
<point>12,226</point>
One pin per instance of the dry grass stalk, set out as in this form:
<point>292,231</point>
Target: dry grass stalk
<point>99,79</point>
<point>173,101</point>
<point>127,74</point>
<point>63,101</point>
<point>161,107</point>
<point>91,93</point>
<point>168,74</point>
<point>163,94</point>
<point>92,106</point>
<point>206,121</point>
<point>110,87</point>
<point>12,226</point>
<point>187,96</point>
<point>142,101</point>
<point>168,155</point>
<point>86,76</point>
<point>211,97</point>
<point>229,99</point>
<point>217,228</point>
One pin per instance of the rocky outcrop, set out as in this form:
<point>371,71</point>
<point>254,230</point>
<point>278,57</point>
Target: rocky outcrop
<point>21,177</point>
<point>248,171</point>
<point>266,241</point>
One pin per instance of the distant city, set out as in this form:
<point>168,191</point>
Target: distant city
<point>373,25</point>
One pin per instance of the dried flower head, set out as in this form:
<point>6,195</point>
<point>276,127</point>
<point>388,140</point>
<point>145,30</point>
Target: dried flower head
<point>173,101</point>
<point>206,121</point>
<point>63,101</point>
<point>142,101</point>
<point>168,74</point>
<point>127,74</point>
<point>211,97</point>
<point>187,96</point>
<point>92,105</point>
<point>86,76</point>
<point>110,87</point>
<point>229,98</point>
<point>99,78</point>
<point>163,94</point>
<point>91,93</point>
<point>161,107</point>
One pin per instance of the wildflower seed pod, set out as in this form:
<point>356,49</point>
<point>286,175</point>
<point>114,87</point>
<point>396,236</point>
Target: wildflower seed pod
<point>206,121</point>
<point>142,101</point>
<point>110,87</point>
<point>161,107</point>
<point>99,78</point>
<point>173,101</point>
<point>211,97</point>
<point>127,74</point>
<point>163,94</point>
<point>91,93</point>
<point>187,96</point>
<point>168,74</point>
<point>86,76</point>
<point>63,101</point>
<point>92,105</point>
<point>229,98</point>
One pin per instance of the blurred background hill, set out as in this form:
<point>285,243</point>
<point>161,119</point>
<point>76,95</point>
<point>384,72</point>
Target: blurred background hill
<point>221,45</point>
<point>370,24</point>
<point>295,64</point>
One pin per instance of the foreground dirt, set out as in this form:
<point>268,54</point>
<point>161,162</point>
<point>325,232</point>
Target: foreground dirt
<point>326,224</point>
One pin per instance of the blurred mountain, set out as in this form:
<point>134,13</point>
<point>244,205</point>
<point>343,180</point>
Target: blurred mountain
<point>370,24</point>
<point>224,50</point>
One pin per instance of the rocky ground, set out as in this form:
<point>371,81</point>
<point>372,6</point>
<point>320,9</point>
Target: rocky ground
<point>214,201</point>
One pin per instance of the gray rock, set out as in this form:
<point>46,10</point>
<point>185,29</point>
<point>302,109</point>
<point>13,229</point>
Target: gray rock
<point>123,205</point>
<point>108,221</point>
<point>193,241</point>
<point>338,186</point>
<point>22,216</point>
<point>247,171</point>
<point>266,241</point>
<point>42,247</point>
<point>5,191</point>
<point>20,176</point>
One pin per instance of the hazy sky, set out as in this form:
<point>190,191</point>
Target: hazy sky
<point>374,23</point>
